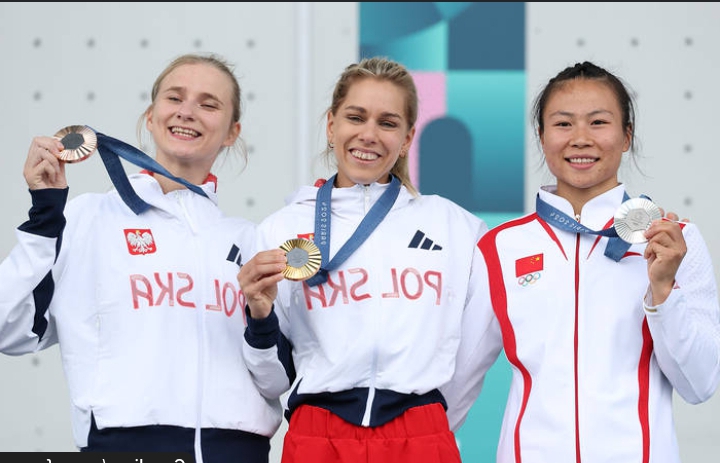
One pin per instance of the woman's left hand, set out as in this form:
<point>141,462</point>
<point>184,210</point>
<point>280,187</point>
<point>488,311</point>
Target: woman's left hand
<point>664,252</point>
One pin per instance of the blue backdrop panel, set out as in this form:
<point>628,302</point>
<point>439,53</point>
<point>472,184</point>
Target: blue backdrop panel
<point>473,154</point>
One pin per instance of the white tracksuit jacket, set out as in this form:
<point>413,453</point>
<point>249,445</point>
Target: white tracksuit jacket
<point>146,308</point>
<point>593,370</point>
<point>381,335</point>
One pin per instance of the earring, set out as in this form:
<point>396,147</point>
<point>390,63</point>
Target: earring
<point>331,145</point>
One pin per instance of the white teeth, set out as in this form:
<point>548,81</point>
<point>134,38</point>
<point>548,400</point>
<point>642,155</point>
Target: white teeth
<point>363,155</point>
<point>188,132</point>
<point>581,160</point>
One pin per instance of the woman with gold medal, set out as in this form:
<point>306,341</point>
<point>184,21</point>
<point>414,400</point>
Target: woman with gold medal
<point>357,296</point>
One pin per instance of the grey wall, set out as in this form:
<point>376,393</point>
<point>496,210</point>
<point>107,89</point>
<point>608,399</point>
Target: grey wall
<point>94,63</point>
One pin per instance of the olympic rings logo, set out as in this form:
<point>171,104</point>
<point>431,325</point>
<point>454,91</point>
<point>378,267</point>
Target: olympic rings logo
<point>529,279</point>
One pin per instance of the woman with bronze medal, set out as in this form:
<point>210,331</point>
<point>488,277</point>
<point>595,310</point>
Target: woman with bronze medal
<point>604,308</point>
<point>357,296</point>
<point>126,282</point>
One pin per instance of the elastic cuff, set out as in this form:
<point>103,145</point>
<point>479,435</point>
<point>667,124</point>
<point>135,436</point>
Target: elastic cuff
<point>46,217</point>
<point>262,333</point>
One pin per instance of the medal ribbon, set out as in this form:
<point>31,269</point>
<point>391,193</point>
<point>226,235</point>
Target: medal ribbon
<point>112,149</point>
<point>371,220</point>
<point>616,246</point>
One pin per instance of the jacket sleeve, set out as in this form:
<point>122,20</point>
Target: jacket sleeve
<point>26,279</point>
<point>686,328</point>
<point>480,345</point>
<point>268,355</point>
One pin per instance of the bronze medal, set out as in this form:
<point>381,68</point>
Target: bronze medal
<point>303,259</point>
<point>79,142</point>
<point>633,217</point>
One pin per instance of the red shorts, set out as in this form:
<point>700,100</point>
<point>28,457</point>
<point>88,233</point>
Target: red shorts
<point>420,435</point>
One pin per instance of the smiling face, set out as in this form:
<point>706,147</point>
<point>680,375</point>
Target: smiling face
<point>191,119</point>
<point>584,139</point>
<point>370,131</point>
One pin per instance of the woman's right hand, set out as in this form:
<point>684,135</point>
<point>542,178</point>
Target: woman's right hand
<point>258,279</point>
<point>43,168</point>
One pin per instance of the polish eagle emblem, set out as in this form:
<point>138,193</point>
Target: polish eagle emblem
<point>140,241</point>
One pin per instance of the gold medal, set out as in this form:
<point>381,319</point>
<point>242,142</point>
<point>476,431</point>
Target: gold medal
<point>303,259</point>
<point>79,142</point>
<point>633,217</point>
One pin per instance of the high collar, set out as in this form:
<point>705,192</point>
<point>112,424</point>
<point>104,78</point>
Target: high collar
<point>351,200</point>
<point>595,213</point>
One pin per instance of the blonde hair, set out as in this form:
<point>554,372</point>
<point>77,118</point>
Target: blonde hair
<point>383,69</point>
<point>218,63</point>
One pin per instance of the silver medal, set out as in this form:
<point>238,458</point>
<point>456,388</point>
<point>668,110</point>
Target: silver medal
<point>633,217</point>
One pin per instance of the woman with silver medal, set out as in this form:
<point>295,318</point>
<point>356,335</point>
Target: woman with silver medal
<point>604,308</point>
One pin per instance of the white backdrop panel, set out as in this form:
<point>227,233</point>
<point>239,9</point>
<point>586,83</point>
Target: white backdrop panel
<point>95,63</point>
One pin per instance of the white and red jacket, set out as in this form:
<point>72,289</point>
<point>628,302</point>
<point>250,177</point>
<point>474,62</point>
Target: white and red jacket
<point>382,334</point>
<point>593,367</point>
<point>146,308</point>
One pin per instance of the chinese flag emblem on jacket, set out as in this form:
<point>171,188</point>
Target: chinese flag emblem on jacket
<point>528,264</point>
